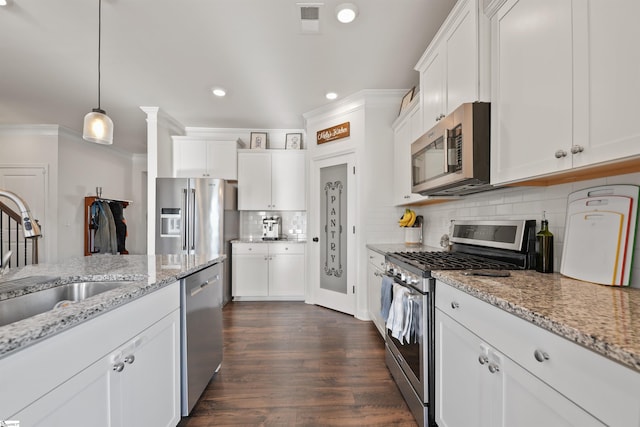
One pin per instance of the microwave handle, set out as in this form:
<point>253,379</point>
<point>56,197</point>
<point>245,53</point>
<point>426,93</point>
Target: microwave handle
<point>447,140</point>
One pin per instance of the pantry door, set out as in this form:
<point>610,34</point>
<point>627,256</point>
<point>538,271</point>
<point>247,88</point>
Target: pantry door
<point>333,267</point>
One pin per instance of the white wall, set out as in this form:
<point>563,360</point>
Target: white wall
<point>36,145</point>
<point>370,114</point>
<point>75,169</point>
<point>83,167</point>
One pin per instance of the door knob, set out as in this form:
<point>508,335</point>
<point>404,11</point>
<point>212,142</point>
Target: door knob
<point>315,239</point>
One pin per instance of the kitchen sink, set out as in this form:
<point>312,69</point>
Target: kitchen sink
<point>56,298</point>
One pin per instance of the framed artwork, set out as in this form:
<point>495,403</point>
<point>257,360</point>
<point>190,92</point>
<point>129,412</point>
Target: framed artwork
<point>293,141</point>
<point>258,140</point>
<point>406,100</point>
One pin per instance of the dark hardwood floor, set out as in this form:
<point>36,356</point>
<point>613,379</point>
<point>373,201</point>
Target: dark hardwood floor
<point>294,364</point>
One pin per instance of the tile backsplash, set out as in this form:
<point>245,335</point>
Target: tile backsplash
<point>293,224</point>
<point>516,203</point>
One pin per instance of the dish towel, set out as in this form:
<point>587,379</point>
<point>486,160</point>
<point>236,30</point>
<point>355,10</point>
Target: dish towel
<point>395,322</point>
<point>386,296</point>
<point>407,327</point>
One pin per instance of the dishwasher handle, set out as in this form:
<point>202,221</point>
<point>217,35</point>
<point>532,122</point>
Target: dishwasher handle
<point>206,283</point>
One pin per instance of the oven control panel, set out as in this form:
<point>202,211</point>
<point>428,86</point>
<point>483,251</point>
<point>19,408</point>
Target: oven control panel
<point>405,276</point>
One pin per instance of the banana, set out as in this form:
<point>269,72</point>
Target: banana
<point>412,220</point>
<point>408,219</point>
<point>405,218</point>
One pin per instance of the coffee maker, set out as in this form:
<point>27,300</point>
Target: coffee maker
<point>271,228</point>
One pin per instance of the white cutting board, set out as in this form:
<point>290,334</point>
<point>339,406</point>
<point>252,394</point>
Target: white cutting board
<point>600,234</point>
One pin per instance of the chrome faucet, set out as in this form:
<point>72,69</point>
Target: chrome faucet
<point>4,266</point>
<point>30,226</point>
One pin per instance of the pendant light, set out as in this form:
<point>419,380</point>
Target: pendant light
<point>98,127</point>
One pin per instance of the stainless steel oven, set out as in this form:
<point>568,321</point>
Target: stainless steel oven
<point>409,358</point>
<point>486,247</point>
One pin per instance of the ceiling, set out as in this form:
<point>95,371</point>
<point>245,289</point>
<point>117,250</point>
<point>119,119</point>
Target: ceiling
<point>170,54</point>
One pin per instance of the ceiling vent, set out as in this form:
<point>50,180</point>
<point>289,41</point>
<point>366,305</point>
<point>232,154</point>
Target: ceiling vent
<point>310,17</point>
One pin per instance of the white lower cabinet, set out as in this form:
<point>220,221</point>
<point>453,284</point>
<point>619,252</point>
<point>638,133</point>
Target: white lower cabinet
<point>135,383</point>
<point>268,270</point>
<point>476,385</point>
<point>144,392</point>
<point>84,399</point>
<point>375,271</point>
<point>496,369</point>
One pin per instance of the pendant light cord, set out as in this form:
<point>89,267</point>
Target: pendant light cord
<point>99,45</point>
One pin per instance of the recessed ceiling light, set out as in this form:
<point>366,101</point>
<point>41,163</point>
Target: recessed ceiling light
<point>346,12</point>
<point>217,91</point>
<point>331,95</point>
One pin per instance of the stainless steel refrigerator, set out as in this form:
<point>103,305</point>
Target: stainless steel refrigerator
<point>197,216</point>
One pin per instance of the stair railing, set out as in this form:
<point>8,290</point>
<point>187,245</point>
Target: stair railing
<point>10,238</point>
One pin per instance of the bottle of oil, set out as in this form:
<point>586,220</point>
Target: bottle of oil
<point>544,247</point>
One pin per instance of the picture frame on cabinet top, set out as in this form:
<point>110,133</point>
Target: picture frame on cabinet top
<point>406,100</point>
<point>293,141</point>
<point>258,140</point>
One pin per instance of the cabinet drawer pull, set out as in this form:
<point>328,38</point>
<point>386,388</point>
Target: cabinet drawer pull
<point>455,305</point>
<point>575,149</point>
<point>540,355</point>
<point>560,154</point>
<point>118,367</point>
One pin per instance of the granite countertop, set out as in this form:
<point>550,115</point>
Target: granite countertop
<point>147,272</point>
<point>605,319</point>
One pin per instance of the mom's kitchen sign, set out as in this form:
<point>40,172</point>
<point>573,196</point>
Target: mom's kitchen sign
<point>335,132</point>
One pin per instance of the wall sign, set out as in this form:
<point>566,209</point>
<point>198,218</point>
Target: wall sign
<point>335,132</point>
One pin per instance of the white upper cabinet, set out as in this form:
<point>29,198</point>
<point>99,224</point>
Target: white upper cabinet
<point>407,130</point>
<point>531,100</point>
<point>455,67</point>
<point>606,80</point>
<point>272,180</point>
<point>202,158</point>
<point>564,83</point>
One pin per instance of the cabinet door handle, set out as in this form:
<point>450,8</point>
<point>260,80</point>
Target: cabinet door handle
<point>315,239</point>
<point>575,149</point>
<point>118,367</point>
<point>540,355</point>
<point>455,304</point>
<point>560,154</point>
<point>483,359</point>
<point>130,359</point>
<point>493,368</point>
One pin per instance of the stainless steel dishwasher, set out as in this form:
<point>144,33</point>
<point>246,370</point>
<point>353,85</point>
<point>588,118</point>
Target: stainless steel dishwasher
<point>201,332</point>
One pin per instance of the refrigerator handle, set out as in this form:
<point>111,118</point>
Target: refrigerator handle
<point>193,220</point>
<point>185,218</point>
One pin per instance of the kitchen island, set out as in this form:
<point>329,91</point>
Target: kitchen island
<point>112,356</point>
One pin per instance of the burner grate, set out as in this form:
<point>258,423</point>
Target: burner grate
<point>427,261</point>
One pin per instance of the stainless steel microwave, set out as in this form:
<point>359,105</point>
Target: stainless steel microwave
<point>453,157</point>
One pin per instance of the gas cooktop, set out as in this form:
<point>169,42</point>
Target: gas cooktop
<point>478,244</point>
<point>427,261</point>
